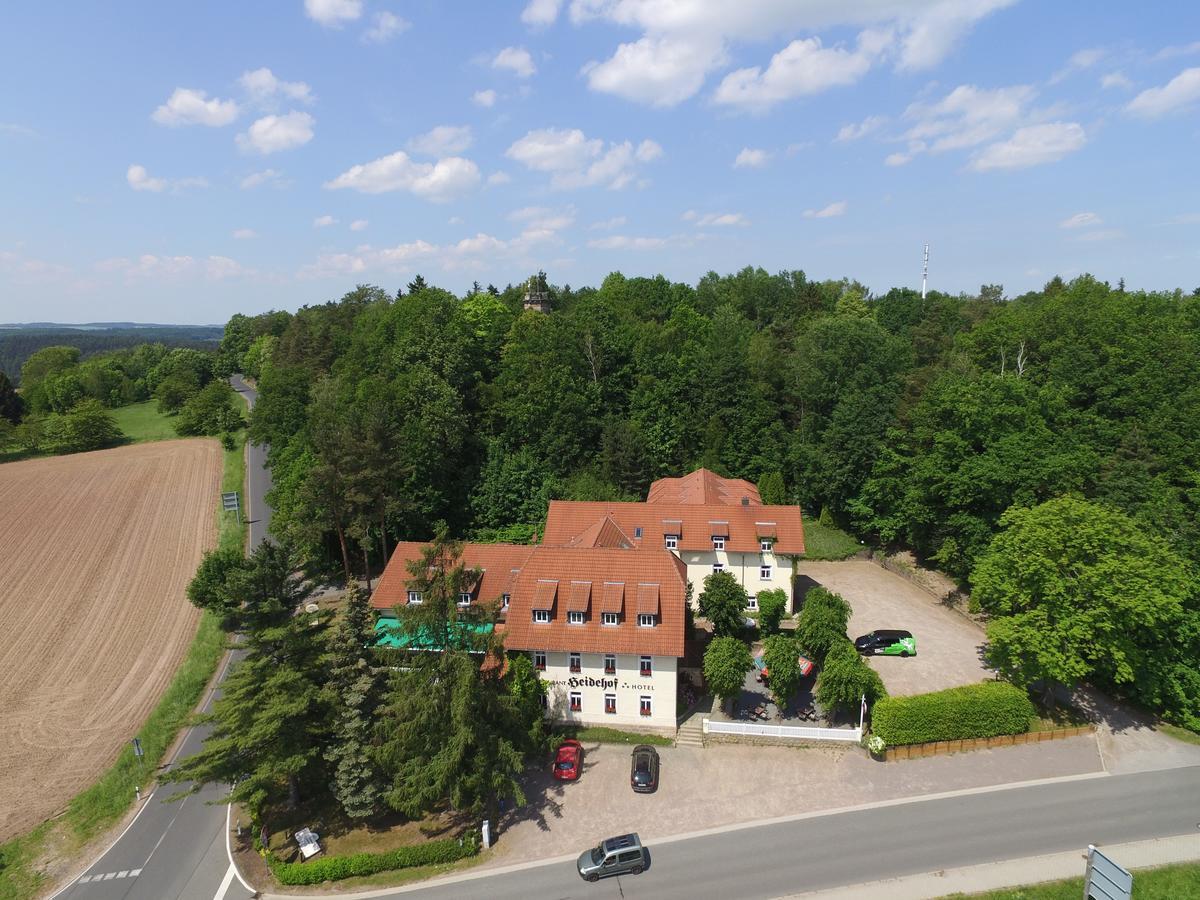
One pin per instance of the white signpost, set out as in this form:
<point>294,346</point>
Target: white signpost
<point>231,502</point>
<point>1105,879</point>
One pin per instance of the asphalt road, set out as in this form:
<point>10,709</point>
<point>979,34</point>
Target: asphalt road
<point>175,850</point>
<point>854,847</point>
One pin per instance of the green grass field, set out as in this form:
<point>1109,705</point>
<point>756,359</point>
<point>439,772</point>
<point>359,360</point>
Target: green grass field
<point>826,542</point>
<point>103,804</point>
<point>1167,883</point>
<point>143,422</point>
<point>602,735</point>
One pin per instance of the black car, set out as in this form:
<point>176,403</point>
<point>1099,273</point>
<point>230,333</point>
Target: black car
<point>643,775</point>
<point>887,642</point>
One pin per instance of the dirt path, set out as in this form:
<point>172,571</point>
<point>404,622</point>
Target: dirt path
<point>95,552</point>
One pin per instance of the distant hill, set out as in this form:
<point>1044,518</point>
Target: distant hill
<point>19,341</point>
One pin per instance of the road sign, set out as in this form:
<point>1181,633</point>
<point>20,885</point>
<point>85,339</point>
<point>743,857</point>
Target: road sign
<point>1104,879</point>
<point>137,749</point>
<point>231,502</point>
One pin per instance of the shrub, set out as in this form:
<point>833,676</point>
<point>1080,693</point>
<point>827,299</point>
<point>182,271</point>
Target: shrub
<point>981,710</point>
<point>845,678</point>
<point>723,603</point>
<point>726,662</point>
<point>772,604</point>
<point>335,868</point>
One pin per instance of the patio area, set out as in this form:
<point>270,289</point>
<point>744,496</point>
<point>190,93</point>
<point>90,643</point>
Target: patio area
<point>755,703</point>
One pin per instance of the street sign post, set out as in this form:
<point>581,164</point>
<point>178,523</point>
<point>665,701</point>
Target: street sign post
<point>137,748</point>
<point>1105,879</point>
<point>231,502</point>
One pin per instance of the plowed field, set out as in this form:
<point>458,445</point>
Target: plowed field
<point>96,550</point>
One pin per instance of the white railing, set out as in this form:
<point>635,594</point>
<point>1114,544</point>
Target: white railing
<point>795,732</point>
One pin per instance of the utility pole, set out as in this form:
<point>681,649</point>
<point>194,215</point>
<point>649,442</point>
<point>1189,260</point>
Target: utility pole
<point>925,272</point>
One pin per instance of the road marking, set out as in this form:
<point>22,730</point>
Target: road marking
<point>122,873</point>
<point>134,873</point>
<point>229,850</point>
<point>85,879</point>
<point>109,877</point>
<point>145,803</point>
<point>220,894</point>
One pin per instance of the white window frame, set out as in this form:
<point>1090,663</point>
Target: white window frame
<point>751,601</point>
<point>575,663</point>
<point>610,704</point>
<point>607,669</point>
<point>610,619</point>
<point>574,617</point>
<point>505,600</point>
<point>764,572</point>
<point>575,701</point>
<point>415,598</point>
<point>766,545</point>
<point>646,705</point>
<point>539,660</point>
<point>541,616</point>
<point>718,567</point>
<point>671,541</point>
<point>464,598</point>
<point>646,666</point>
<point>718,542</point>
<point>647,620</point>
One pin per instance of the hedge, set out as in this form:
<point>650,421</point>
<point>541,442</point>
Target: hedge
<point>335,868</point>
<point>982,710</point>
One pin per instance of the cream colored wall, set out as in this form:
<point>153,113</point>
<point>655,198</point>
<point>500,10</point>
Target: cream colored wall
<point>630,686</point>
<point>743,566</point>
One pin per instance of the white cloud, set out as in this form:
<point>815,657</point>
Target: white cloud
<point>454,220</point>
<point>442,141</point>
<point>682,43</point>
<point>1033,145</point>
<point>1081,220</point>
<point>1080,60</point>
<point>751,158</point>
<point>257,179</point>
<point>485,99</point>
<point>854,131</point>
<point>608,224</point>
<point>1184,219</point>
<point>152,266</point>
<point>498,178</point>
<point>270,134</point>
<point>1103,234</point>
<point>187,106</point>
<point>897,159</point>
<point>263,88</point>
<point>1177,50</point>
<point>324,221</point>
<point>387,26</point>
<point>967,116</point>
<point>624,242</point>
<point>801,68</point>
<point>827,212</point>
<point>541,12</point>
<point>516,59</point>
<point>1179,93</point>
<point>139,179</point>
<point>574,160</point>
<point>710,220</point>
<point>359,225</point>
<point>17,129</point>
<point>1115,80</point>
<point>440,181</point>
<point>245,234</point>
<point>541,218</point>
<point>333,13</point>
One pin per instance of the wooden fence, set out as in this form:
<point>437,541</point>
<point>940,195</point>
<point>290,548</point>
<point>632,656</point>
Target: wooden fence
<point>916,751</point>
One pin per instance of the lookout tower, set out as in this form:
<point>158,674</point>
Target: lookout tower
<point>537,293</point>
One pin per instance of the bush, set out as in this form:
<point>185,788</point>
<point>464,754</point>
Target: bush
<point>822,624</point>
<point>982,710</point>
<point>211,411</point>
<point>772,605</point>
<point>845,677</point>
<point>335,868</point>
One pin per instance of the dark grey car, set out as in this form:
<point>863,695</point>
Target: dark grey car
<point>643,769</point>
<point>621,855</point>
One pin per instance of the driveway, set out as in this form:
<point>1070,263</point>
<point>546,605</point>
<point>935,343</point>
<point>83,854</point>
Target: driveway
<point>724,784</point>
<point>949,646</point>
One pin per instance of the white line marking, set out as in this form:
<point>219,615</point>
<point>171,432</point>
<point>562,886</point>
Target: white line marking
<point>84,879</point>
<point>109,877</point>
<point>229,851</point>
<point>122,873</point>
<point>134,873</point>
<point>224,883</point>
<point>145,803</point>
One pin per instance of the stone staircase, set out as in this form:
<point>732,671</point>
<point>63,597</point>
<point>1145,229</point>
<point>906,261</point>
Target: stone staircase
<point>691,732</point>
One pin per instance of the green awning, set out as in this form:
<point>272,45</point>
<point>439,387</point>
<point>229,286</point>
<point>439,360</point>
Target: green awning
<point>390,633</point>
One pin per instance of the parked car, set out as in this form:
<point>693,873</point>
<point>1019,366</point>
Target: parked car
<point>643,775</point>
<point>621,855</point>
<point>568,762</point>
<point>887,642</point>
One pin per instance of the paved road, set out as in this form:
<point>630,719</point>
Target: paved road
<point>176,850</point>
<point>850,848</point>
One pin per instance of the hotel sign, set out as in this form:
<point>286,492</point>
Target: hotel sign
<point>579,681</point>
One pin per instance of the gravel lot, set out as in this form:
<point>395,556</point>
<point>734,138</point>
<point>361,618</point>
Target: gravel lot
<point>948,645</point>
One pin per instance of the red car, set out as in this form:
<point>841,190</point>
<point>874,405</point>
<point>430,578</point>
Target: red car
<point>568,762</point>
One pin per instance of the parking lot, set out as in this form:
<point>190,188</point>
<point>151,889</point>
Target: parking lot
<point>948,645</point>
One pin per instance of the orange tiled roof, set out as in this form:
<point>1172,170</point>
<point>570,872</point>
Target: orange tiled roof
<point>500,564</point>
<point>703,488</point>
<point>741,525</point>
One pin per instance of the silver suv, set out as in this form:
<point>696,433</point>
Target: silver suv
<point>622,855</point>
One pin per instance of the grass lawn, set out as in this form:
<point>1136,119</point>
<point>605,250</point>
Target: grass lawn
<point>602,735</point>
<point>1167,883</point>
<point>825,542</point>
<point>1180,734</point>
<point>143,422</point>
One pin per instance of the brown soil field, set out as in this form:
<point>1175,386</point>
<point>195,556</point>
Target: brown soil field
<point>96,550</point>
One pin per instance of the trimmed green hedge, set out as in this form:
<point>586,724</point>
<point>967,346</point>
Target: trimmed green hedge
<point>982,710</point>
<point>335,868</point>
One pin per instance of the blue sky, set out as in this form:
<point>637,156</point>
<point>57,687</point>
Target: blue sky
<point>180,162</point>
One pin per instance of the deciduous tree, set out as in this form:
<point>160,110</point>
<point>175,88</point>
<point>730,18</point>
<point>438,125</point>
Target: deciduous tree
<point>723,603</point>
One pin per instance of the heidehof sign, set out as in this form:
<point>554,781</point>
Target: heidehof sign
<point>579,681</point>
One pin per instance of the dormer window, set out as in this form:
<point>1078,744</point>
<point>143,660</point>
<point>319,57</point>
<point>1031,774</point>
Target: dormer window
<point>671,541</point>
<point>414,598</point>
<point>505,600</point>
<point>765,544</point>
<point>646,620</point>
<point>464,599</point>
<point>574,618</point>
<point>718,542</point>
<point>610,618</point>
<point>541,616</point>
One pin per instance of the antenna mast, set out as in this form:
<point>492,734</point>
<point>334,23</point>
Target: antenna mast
<point>925,272</point>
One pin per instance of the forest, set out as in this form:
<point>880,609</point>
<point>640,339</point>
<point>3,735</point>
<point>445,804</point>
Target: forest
<point>928,423</point>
